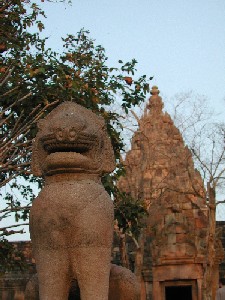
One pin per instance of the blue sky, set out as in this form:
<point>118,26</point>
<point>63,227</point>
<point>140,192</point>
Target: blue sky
<point>180,42</point>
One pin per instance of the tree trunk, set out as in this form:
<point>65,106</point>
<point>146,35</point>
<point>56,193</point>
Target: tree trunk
<point>123,252</point>
<point>209,283</point>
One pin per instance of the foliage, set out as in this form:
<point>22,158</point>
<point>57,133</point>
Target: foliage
<point>129,214</point>
<point>130,219</point>
<point>33,80</point>
<point>10,257</point>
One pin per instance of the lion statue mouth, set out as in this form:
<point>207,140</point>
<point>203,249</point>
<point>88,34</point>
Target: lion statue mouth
<point>71,151</point>
<point>72,140</point>
<point>70,154</point>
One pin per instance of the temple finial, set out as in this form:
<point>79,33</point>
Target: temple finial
<point>155,102</point>
<point>154,90</point>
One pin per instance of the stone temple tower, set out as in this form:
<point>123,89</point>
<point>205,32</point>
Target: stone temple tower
<point>160,170</point>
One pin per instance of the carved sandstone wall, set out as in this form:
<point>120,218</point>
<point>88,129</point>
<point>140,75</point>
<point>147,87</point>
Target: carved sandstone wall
<point>160,170</point>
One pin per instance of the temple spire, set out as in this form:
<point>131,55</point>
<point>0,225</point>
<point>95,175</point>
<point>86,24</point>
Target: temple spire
<point>155,102</point>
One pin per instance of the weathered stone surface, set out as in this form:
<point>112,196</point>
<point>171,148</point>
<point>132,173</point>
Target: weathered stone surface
<point>71,219</point>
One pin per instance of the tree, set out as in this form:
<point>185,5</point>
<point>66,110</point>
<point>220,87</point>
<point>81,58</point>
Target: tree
<point>34,80</point>
<point>14,20</point>
<point>130,214</point>
<point>209,154</point>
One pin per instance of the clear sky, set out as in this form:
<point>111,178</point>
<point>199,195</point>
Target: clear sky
<point>180,42</point>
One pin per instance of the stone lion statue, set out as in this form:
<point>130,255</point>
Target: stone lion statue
<point>71,220</point>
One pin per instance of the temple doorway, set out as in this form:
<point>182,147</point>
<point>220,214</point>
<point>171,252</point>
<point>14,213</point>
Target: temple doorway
<point>178,292</point>
<point>179,289</point>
